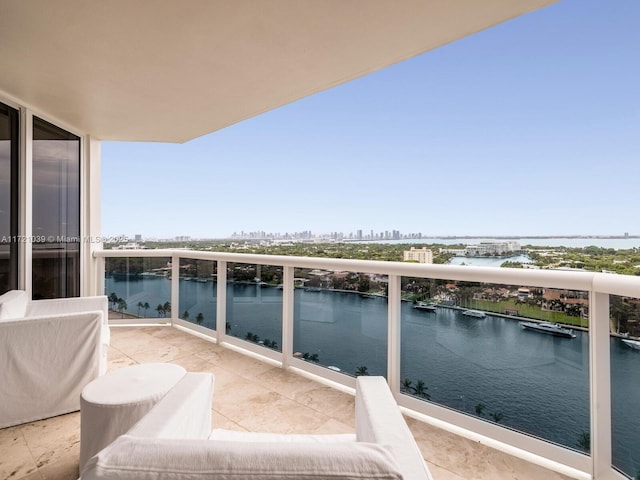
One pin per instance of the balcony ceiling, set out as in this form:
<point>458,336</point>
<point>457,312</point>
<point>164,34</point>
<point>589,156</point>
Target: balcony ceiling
<point>170,71</point>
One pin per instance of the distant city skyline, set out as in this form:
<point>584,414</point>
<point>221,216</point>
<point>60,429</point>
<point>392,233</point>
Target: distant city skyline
<point>530,128</point>
<point>357,235</point>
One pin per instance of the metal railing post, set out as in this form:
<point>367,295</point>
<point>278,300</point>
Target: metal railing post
<point>287,315</point>
<point>393,334</point>
<point>600,384</point>
<point>221,301</point>
<point>175,287</point>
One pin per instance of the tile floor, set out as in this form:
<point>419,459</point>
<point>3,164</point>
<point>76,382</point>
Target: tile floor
<point>249,395</point>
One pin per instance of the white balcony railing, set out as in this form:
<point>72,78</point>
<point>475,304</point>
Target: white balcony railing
<point>598,464</point>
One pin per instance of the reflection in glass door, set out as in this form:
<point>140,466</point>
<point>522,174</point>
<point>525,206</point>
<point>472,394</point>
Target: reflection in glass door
<point>9,129</point>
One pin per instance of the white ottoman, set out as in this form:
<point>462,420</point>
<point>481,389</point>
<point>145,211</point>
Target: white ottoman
<point>110,405</point>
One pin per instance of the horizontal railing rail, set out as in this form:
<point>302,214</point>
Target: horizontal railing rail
<point>598,285</point>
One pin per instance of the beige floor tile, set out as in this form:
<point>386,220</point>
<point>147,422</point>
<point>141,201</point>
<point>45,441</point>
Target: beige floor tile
<point>286,383</point>
<point>16,460</point>
<point>333,426</point>
<point>329,401</point>
<point>243,365</point>
<point>220,421</point>
<point>442,474</point>
<point>53,439</point>
<point>66,468</point>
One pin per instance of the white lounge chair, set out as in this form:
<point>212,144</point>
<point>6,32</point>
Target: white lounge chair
<point>174,441</point>
<point>49,350</point>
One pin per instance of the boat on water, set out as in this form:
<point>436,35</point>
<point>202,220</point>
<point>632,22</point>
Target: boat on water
<point>427,307</point>
<point>635,344</point>
<point>549,328</point>
<point>474,313</point>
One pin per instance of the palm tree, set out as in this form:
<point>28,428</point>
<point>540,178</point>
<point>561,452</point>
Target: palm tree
<point>167,307</point>
<point>139,305</point>
<point>160,310</point>
<point>584,441</point>
<point>497,416</point>
<point>362,370</point>
<point>420,390</point>
<point>122,306</point>
<point>146,307</point>
<point>311,357</point>
<point>113,298</point>
<point>407,385</point>
<point>199,318</point>
<point>185,315</point>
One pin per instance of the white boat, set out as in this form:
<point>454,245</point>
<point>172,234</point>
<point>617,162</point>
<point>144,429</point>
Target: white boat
<point>549,328</point>
<point>635,344</point>
<point>428,307</point>
<point>474,313</point>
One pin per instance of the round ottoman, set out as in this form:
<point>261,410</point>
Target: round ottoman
<point>110,405</point>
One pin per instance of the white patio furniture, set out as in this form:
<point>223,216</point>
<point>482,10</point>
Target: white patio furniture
<point>174,441</point>
<point>111,404</point>
<point>49,350</point>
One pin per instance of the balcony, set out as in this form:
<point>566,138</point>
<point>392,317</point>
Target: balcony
<point>560,403</point>
<point>249,395</point>
<point>484,397</point>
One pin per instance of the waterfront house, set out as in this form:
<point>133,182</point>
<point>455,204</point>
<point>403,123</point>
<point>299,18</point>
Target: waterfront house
<point>77,72</point>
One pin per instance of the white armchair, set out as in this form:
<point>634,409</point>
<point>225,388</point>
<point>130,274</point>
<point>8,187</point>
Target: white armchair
<point>49,350</point>
<point>174,442</point>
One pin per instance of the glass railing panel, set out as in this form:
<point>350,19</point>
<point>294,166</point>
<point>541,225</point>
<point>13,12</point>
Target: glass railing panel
<point>340,320</point>
<point>138,287</point>
<point>254,304</point>
<point>625,384</point>
<point>484,350</point>
<point>198,292</point>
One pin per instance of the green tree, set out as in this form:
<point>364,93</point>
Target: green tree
<point>407,385</point>
<point>160,310</point>
<point>139,305</point>
<point>362,370</point>
<point>584,441</point>
<point>480,409</point>
<point>420,390</point>
<point>312,357</point>
<point>363,283</point>
<point>122,306</point>
<point>497,416</point>
<point>199,318</point>
<point>146,307</point>
<point>113,298</point>
<point>185,315</point>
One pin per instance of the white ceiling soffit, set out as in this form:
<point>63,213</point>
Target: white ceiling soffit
<point>170,71</point>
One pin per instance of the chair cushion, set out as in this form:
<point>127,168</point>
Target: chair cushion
<point>13,305</point>
<point>143,458</point>
<point>239,436</point>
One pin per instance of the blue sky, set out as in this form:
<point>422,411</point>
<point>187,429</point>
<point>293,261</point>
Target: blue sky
<point>529,128</point>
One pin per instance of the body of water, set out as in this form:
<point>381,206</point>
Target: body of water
<point>616,243</point>
<point>491,367</point>
<point>488,261</point>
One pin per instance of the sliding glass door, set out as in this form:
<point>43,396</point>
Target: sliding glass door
<point>56,212</point>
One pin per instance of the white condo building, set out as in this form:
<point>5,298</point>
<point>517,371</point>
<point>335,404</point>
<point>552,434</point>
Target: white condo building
<point>421,255</point>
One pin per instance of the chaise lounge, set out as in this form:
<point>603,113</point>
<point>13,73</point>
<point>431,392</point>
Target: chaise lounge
<point>174,441</point>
